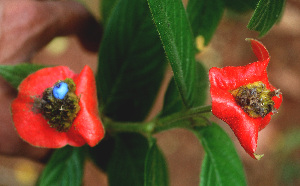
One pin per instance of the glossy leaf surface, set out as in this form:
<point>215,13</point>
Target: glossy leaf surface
<point>64,168</point>
<point>14,74</point>
<point>127,164</point>
<point>240,6</point>
<point>131,62</point>
<point>156,171</point>
<point>208,175</point>
<point>173,102</point>
<point>222,163</point>
<point>204,17</point>
<point>266,14</point>
<point>172,24</point>
<point>106,8</point>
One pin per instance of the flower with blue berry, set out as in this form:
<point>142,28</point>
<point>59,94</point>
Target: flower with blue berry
<point>56,107</point>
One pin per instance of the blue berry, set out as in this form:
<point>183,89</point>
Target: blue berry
<point>60,90</point>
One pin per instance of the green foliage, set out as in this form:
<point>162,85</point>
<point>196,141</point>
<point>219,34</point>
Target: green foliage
<point>240,5</point>
<point>156,172</point>
<point>266,14</point>
<point>208,175</point>
<point>64,168</point>
<point>201,84</point>
<point>172,100</point>
<point>127,164</point>
<point>204,17</point>
<point>221,165</point>
<point>14,74</point>
<point>106,8</point>
<point>176,36</point>
<point>131,62</point>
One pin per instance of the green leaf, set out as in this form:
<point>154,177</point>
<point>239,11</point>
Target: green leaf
<point>64,168</point>
<point>266,14</point>
<point>131,62</point>
<point>156,171</point>
<point>172,99</point>
<point>127,164</point>
<point>201,84</point>
<point>208,176</point>
<point>172,24</point>
<point>106,7</point>
<point>241,5</point>
<point>204,17</point>
<point>14,74</point>
<point>222,158</point>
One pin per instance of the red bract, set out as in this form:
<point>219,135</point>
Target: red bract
<point>33,127</point>
<point>224,105</point>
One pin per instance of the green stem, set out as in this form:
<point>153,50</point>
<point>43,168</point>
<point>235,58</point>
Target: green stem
<point>177,120</point>
<point>182,119</point>
<point>114,126</point>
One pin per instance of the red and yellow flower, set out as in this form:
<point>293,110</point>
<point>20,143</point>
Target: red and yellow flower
<point>243,97</point>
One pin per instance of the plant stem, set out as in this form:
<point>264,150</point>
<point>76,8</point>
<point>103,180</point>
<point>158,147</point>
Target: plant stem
<point>183,119</point>
<point>114,126</point>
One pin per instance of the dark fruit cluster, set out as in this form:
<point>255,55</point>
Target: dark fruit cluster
<point>60,113</point>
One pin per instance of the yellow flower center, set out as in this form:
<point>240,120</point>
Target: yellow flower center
<point>255,99</point>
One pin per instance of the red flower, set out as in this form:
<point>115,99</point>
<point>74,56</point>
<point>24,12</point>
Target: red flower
<point>31,123</point>
<point>243,97</point>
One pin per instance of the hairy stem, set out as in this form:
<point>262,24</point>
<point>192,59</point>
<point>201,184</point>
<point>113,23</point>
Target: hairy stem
<point>185,119</point>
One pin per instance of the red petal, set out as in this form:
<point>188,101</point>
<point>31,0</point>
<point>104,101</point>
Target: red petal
<point>230,78</point>
<point>87,123</point>
<point>277,100</point>
<point>244,127</point>
<point>259,49</point>
<point>36,83</point>
<point>224,105</point>
<point>31,126</point>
